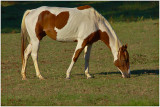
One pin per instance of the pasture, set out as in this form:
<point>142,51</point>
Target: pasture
<point>107,88</point>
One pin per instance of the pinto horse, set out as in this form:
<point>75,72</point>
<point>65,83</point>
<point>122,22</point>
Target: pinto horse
<point>83,25</point>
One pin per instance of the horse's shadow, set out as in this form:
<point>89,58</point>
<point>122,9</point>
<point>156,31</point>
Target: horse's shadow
<point>133,72</point>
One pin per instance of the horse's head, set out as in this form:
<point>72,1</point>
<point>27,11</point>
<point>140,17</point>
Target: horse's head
<point>122,62</point>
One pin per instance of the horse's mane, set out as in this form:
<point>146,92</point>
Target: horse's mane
<point>108,26</point>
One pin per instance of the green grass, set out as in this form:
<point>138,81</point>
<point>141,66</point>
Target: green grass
<point>107,88</point>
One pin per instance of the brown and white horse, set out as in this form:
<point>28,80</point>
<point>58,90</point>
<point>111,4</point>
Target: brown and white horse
<point>83,25</point>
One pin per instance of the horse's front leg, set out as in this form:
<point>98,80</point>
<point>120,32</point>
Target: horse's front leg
<point>76,54</point>
<point>87,51</point>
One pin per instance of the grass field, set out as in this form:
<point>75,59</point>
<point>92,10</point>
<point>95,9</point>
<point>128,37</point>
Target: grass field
<point>107,88</point>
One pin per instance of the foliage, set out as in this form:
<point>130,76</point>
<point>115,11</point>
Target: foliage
<point>13,11</point>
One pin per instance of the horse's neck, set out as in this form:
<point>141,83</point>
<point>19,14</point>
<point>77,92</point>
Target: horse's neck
<point>114,47</point>
<point>114,42</point>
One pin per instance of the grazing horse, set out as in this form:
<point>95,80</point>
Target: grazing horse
<point>83,25</point>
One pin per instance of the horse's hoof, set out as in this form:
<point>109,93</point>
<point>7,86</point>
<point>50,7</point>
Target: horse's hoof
<point>89,77</point>
<point>24,78</point>
<point>41,78</point>
<point>67,78</point>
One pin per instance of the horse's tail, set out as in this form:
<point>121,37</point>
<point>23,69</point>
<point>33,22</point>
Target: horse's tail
<point>24,34</point>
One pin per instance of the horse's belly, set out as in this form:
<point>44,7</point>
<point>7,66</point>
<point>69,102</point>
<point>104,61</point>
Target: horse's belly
<point>66,35</point>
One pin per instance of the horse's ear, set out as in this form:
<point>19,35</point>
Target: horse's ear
<point>126,45</point>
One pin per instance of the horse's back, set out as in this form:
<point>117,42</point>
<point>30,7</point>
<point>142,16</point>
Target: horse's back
<point>79,24</point>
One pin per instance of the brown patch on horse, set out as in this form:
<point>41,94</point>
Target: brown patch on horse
<point>105,38</point>
<point>123,59</point>
<point>78,52</point>
<point>48,21</point>
<point>61,19</point>
<point>93,37</point>
<point>83,7</point>
<point>75,41</point>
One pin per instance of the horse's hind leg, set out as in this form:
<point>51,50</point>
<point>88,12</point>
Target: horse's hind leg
<point>26,54</point>
<point>34,54</point>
